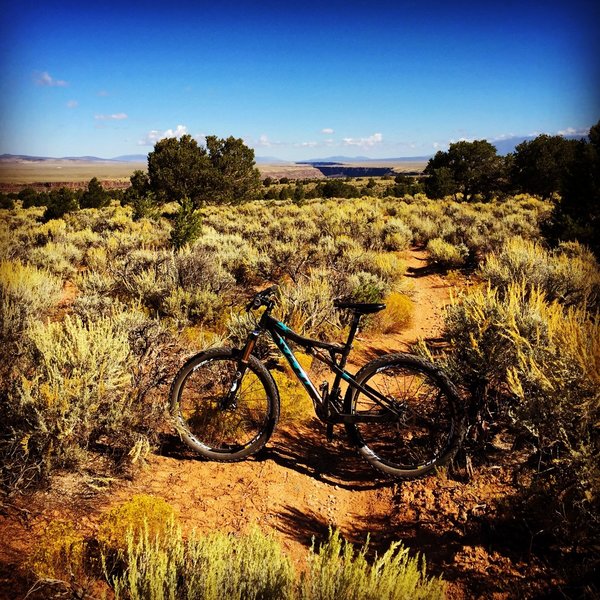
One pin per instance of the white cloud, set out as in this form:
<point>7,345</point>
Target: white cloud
<point>264,141</point>
<point>113,117</point>
<point>309,144</point>
<point>46,80</point>
<point>155,135</point>
<point>327,131</point>
<point>573,131</point>
<point>72,104</point>
<point>365,142</point>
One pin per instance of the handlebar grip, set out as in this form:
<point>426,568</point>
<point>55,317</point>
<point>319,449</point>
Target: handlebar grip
<point>259,299</point>
<point>269,291</point>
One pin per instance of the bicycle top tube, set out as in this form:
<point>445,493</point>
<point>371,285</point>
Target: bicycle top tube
<point>273,325</point>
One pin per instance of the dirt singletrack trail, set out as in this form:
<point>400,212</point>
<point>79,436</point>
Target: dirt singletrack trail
<point>300,485</point>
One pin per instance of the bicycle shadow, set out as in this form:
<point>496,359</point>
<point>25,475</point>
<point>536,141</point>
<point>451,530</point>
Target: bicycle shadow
<point>305,449</point>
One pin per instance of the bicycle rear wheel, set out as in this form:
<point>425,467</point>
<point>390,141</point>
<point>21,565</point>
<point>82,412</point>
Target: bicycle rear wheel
<point>426,426</point>
<point>207,426</point>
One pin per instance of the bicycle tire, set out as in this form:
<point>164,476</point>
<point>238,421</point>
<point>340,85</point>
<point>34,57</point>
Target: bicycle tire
<point>217,433</point>
<point>431,426</point>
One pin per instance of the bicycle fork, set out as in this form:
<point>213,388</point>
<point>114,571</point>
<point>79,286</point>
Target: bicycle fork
<point>229,402</point>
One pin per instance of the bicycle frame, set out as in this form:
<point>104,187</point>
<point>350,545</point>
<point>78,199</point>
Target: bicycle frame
<point>326,409</point>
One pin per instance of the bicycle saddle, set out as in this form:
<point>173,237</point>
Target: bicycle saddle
<point>359,307</point>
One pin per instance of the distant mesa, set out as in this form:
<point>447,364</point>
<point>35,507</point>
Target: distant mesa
<point>8,158</point>
<point>362,166</point>
<point>330,169</point>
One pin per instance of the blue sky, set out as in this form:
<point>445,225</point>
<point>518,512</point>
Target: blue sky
<point>294,79</point>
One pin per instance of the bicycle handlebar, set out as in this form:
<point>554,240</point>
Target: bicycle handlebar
<point>261,298</point>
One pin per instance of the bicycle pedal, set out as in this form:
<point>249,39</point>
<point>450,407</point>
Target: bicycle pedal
<point>330,432</point>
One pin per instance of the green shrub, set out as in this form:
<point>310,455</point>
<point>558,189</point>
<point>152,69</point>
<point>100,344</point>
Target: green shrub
<point>366,287</point>
<point>52,231</point>
<point>26,296</point>
<point>569,274</point>
<point>253,565</point>
<point>59,203</point>
<point>59,258</point>
<point>204,568</point>
<point>199,268</point>
<point>446,255</point>
<point>26,293</point>
<point>94,196</point>
<point>199,306</point>
<point>307,307</point>
<point>144,556</point>
<point>386,266</point>
<point>424,228</point>
<point>95,282</point>
<point>228,566</point>
<point>84,239</point>
<point>59,553</point>
<point>397,315</point>
<point>556,379</point>
<point>539,362</point>
<point>187,225</point>
<point>336,570</point>
<point>6,202</point>
<point>396,235</point>
<point>142,515</point>
<point>82,389</point>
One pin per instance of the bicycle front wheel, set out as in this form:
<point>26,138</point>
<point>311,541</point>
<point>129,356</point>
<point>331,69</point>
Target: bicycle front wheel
<point>425,425</point>
<point>206,423</point>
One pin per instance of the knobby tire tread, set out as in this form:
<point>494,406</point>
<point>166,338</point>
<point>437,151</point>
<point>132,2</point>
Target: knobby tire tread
<point>418,365</point>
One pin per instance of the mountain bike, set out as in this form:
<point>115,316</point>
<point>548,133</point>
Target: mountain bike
<point>402,412</point>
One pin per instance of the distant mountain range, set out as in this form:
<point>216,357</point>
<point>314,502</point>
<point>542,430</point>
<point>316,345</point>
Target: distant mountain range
<point>362,159</point>
<point>508,145</point>
<point>504,146</point>
<point>271,160</point>
<point>83,159</point>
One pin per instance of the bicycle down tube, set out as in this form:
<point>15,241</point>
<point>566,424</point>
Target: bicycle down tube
<point>279,331</point>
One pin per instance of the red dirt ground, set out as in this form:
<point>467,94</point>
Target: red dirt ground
<point>300,485</point>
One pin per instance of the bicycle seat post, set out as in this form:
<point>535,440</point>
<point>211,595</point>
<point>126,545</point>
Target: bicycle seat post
<point>345,352</point>
<point>353,329</point>
<point>348,346</point>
